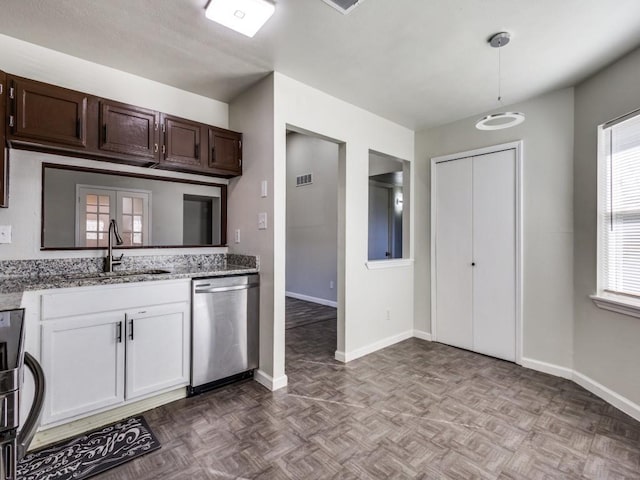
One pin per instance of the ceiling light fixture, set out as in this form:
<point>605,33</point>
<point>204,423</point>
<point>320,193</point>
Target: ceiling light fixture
<point>243,16</point>
<point>498,121</point>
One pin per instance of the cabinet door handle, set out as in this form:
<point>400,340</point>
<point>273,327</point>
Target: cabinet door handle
<point>213,154</point>
<point>155,148</point>
<point>119,335</point>
<point>131,329</point>
<point>197,151</point>
<point>104,132</point>
<point>79,128</point>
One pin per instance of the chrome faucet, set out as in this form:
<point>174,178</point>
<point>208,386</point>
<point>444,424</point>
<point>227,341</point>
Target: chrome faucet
<point>112,261</point>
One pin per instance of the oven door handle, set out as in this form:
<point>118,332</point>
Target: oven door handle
<point>33,420</point>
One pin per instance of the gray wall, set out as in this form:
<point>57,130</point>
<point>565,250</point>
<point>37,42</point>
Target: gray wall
<point>166,204</point>
<point>252,113</point>
<point>607,344</point>
<point>548,218</point>
<point>312,217</point>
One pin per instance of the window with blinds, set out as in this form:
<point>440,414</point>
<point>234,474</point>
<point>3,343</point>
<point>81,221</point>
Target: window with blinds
<point>619,207</point>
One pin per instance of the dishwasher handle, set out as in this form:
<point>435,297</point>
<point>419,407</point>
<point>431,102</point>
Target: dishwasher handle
<point>229,288</point>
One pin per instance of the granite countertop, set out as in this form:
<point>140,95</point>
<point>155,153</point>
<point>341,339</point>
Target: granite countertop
<point>12,287</point>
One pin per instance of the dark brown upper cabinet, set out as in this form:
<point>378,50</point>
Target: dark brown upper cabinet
<point>47,118</point>
<point>225,151</point>
<point>182,146</point>
<point>128,130</point>
<point>4,154</point>
<point>46,113</point>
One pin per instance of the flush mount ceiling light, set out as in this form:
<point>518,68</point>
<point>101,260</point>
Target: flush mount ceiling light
<point>243,16</point>
<point>343,6</point>
<point>498,121</point>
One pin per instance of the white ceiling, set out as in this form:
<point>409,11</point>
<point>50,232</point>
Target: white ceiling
<point>420,63</point>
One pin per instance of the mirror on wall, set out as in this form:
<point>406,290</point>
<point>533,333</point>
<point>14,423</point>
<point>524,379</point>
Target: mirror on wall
<point>388,207</point>
<point>78,204</point>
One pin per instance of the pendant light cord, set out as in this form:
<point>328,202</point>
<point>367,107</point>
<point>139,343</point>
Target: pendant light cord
<point>499,72</point>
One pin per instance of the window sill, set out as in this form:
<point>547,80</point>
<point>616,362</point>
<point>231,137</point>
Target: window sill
<point>394,263</point>
<point>617,303</point>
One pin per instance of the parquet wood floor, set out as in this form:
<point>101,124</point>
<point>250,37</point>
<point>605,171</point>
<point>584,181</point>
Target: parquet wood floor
<point>300,313</point>
<point>414,410</point>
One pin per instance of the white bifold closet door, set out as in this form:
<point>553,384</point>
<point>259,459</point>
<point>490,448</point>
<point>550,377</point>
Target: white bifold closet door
<point>475,234</point>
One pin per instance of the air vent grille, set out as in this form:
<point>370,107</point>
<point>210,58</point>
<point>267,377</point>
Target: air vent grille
<point>302,180</point>
<point>343,6</point>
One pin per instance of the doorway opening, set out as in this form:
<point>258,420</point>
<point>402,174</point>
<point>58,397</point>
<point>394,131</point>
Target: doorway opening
<point>312,278</point>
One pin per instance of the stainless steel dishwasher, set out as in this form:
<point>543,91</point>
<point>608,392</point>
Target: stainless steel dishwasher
<point>224,330</point>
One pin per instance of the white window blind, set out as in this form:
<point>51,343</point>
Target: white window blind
<point>619,210</point>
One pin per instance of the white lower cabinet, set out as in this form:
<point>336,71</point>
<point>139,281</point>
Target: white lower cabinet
<point>157,349</point>
<point>97,361</point>
<point>83,363</point>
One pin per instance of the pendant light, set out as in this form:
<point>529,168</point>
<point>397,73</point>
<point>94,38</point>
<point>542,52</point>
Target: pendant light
<point>498,121</point>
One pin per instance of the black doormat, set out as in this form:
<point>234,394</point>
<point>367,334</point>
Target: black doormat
<point>91,453</point>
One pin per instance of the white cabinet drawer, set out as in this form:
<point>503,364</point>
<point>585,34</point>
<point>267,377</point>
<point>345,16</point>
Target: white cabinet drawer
<point>104,298</point>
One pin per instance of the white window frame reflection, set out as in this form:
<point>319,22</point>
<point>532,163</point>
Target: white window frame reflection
<point>117,198</point>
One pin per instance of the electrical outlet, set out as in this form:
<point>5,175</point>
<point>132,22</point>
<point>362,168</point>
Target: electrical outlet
<point>237,235</point>
<point>331,284</point>
<point>5,233</point>
<point>262,221</point>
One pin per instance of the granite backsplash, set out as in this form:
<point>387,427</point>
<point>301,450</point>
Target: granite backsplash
<point>68,266</point>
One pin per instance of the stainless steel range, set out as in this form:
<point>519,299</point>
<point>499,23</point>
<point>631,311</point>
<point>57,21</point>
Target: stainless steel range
<point>14,444</point>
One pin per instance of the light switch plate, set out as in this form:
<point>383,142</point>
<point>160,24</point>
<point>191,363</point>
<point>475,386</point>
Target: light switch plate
<point>5,233</point>
<point>262,221</point>
<point>263,189</point>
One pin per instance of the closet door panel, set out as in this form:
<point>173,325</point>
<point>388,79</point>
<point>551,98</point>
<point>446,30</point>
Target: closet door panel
<point>453,248</point>
<point>494,254</point>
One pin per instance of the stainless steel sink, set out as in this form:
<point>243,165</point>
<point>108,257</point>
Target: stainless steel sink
<point>116,274</point>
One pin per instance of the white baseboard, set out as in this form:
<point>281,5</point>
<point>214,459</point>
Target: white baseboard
<point>549,368</point>
<point>346,357</point>
<point>268,381</point>
<point>608,395</point>
<point>307,298</point>
<point>621,403</point>
<point>422,335</point>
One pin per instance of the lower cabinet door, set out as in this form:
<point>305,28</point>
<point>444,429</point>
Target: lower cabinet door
<point>157,349</point>
<point>83,363</point>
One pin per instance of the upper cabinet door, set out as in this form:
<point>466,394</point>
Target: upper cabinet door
<point>225,151</point>
<point>182,143</point>
<point>128,130</point>
<point>48,113</point>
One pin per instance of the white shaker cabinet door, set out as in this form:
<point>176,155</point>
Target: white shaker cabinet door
<point>83,363</point>
<point>157,348</point>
